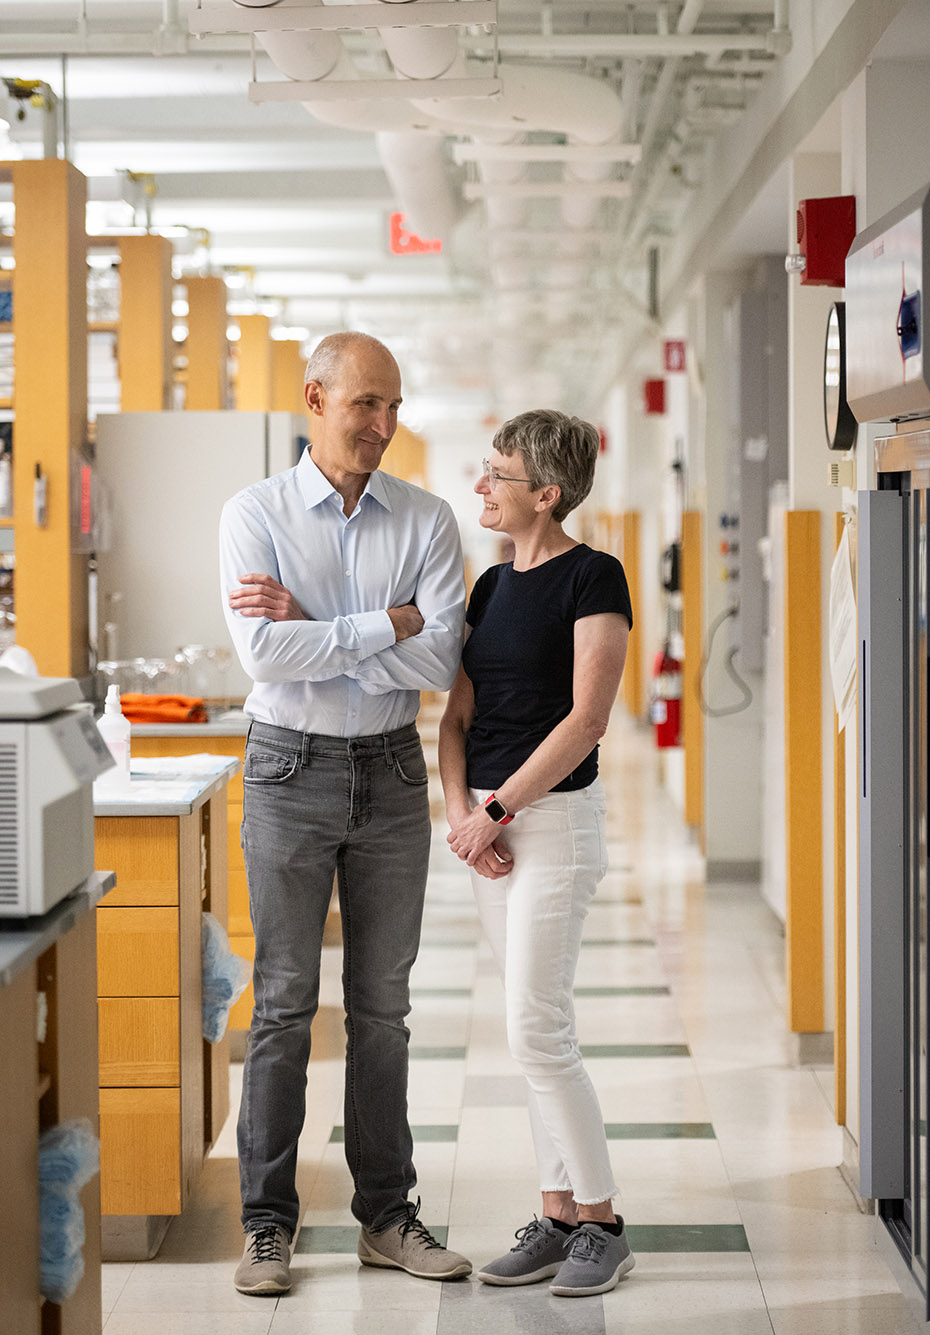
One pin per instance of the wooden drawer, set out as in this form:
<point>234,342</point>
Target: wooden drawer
<point>240,1017</point>
<point>144,855</point>
<point>139,1041</point>
<point>137,952</point>
<point>140,1151</point>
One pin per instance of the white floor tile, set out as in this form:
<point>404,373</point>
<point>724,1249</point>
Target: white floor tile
<point>772,1169</point>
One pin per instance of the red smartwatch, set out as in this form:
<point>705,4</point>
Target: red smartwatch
<point>496,810</point>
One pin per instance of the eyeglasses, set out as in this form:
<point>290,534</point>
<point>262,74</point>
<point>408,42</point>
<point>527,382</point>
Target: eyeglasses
<point>493,476</point>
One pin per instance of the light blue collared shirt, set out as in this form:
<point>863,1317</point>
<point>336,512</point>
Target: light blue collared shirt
<point>342,674</point>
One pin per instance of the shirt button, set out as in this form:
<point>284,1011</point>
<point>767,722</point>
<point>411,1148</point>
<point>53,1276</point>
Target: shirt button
<point>348,572</point>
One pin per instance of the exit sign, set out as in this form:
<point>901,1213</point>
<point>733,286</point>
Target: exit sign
<point>404,242</point>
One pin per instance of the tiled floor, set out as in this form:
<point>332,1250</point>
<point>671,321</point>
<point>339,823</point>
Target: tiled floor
<point>726,1154</point>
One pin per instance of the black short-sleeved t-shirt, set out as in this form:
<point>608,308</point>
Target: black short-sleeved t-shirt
<point>520,657</point>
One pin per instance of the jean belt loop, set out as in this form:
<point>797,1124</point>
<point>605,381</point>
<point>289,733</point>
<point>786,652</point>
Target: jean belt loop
<point>305,750</point>
<point>388,757</point>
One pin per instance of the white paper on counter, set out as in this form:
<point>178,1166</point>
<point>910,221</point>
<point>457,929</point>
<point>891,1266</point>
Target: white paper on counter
<point>159,766</point>
<point>843,632</point>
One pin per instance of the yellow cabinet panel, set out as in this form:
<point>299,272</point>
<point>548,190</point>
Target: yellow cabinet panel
<point>139,1041</point>
<point>137,952</point>
<point>145,854</point>
<point>140,1151</point>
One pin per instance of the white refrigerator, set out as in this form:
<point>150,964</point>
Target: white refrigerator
<point>165,477</point>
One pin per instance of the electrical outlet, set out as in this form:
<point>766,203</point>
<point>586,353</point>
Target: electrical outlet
<point>842,472</point>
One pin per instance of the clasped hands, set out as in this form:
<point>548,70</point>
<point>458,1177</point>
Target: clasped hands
<point>473,837</point>
<point>263,596</point>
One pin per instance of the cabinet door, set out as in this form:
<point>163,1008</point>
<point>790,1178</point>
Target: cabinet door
<point>140,1151</point>
<point>137,952</point>
<point>139,1041</point>
<point>19,1156</point>
<point>143,851</point>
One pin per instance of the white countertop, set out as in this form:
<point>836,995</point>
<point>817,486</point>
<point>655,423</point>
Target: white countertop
<point>167,785</point>
<point>232,723</point>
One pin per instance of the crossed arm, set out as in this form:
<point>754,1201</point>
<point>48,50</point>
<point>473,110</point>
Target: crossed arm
<point>261,596</point>
<point>409,646</point>
<point>600,651</point>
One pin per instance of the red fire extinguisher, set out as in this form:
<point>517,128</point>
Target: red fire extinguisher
<point>665,698</point>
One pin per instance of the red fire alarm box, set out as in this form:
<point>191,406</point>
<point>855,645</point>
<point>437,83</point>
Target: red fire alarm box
<point>826,229</point>
<point>654,396</point>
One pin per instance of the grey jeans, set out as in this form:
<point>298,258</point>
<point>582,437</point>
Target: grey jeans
<point>314,806</point>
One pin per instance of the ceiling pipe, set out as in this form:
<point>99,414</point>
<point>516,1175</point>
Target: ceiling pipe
<point>642,46</point>
<point>299,55</point>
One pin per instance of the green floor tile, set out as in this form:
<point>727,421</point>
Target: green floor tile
<point>687,1238</point>
<point>618,941</point>
<point>659,1131</point>
<point>420,1133</point>
<point>426,1054</point>
<point>623,992</point>
<point>342,1239</point>
<point>444,943</point>
<point>440,991</point>
<point>635,1050</point>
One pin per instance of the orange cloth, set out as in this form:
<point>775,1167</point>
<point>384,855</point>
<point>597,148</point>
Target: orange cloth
<point>140,708</point>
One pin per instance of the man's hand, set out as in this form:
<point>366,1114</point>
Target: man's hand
<point>406,621</point>
<point>262,596</point>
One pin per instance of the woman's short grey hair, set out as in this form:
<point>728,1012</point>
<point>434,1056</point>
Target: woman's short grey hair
<point>326,358</point>
<point>554,449</point>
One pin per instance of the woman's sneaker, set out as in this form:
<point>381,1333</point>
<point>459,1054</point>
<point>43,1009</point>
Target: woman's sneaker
<point>595,1263</point>
<point>539,1253</point>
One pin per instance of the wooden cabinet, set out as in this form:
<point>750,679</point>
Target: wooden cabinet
<point>46,1079</point>
<point>187,743</point>
<point>164,1091</point>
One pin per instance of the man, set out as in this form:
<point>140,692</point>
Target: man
<point>344,593</point>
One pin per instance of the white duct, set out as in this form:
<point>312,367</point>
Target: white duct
<point>409,135</point>
<point>416,168</point>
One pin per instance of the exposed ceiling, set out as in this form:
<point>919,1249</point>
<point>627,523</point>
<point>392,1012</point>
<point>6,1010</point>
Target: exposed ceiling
<point>548,195</point>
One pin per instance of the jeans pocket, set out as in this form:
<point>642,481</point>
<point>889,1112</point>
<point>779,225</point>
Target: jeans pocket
<point>266,767</point>
<point>410,766</point>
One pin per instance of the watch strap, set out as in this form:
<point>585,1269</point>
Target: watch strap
<point>496,810</point>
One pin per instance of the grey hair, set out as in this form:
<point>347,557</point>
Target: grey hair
<point>326,359</point>
<point>555,449</point>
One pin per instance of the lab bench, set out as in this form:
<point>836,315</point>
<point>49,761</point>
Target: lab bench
<point>164,1091</point>
<point>224,735</point>
<point>48,1076</point>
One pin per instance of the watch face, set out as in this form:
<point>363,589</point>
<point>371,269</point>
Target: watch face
<point>496,809</point>
<point>837,415</point>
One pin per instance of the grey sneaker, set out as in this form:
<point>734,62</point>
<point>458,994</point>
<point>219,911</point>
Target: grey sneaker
<point>539,1253</point>
<point>409,1245</point>
<point>265,1264</point>
<point>595,1263</point>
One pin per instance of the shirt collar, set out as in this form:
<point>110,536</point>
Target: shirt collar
<point>315,488</point>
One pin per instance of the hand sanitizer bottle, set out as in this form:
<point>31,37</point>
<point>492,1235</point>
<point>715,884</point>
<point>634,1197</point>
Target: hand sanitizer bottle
<point>115,730</point>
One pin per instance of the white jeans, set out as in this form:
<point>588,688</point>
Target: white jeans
<point>533,920</point>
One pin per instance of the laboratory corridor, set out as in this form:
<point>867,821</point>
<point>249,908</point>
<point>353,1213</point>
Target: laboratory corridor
<point>726,1154</point>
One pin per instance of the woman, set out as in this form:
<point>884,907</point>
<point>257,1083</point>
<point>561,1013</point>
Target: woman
<point>518,758</point>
